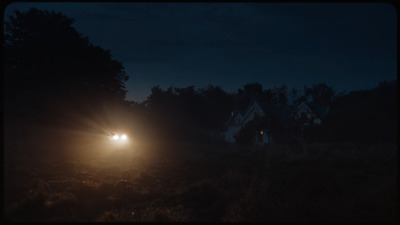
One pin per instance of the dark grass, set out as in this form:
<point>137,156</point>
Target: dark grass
<point>183,182</point>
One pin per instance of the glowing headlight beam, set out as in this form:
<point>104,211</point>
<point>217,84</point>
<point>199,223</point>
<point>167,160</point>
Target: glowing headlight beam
<point>119,137</point>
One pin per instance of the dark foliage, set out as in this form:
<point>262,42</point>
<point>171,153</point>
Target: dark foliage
<point>251,91</point>
<point>363,116</point>
<point>187,113</point>
<point>320,93</point>
<point>49,67</point>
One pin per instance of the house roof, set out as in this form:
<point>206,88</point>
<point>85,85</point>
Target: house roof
<point>232,118</point>
<point>282,111</point>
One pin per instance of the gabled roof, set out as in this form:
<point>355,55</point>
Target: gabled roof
<point>253,104</point>
<point>232,118</point>
<point>281,111</point>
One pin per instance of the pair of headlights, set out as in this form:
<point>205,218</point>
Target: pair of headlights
<point>117,137</point>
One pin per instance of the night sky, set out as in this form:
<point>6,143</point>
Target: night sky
<point>350,46</point>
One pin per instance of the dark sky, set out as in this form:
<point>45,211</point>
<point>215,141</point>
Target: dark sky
<point>350,46</point>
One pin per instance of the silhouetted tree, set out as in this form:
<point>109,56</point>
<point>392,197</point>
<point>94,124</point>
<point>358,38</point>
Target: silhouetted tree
<point>157,98</point>
<point>277,95</point>
<point>296,96</point>
<point>281,93</point>
<point>249,92</point>
<point>253,89</point>
<point>216,108</point>
<point>363,116</point>
<point>320,93</point>
<point>187,113</point>
<point>189,107</point>
<point>48,63</point>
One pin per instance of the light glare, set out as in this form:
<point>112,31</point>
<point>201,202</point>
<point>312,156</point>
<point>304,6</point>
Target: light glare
<point>123,137</point>
<point>115,137</point>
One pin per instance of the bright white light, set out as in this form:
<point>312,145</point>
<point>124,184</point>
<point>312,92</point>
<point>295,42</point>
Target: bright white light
<point>123,137</point>
<point>115,137</point>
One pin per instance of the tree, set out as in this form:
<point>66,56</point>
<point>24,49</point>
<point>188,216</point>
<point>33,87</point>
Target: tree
<point>46,61</point>
<point>296,97</point>
<point>156,98</point>
<point>281,94</point>
<point>253,89</point>
<point>277,95</point>
<point>217,107</point>
<point>363,116</point>
<point>320,93</point>
<point>249,92</point>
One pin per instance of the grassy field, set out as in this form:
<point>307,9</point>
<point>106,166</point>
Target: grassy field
<point>182,182</point>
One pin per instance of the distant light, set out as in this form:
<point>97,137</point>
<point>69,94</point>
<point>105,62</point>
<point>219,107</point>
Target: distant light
<point>261,132</point>
<point>123,137</point>
<point>115,137</point>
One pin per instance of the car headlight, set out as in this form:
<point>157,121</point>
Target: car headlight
<point>117,137</point>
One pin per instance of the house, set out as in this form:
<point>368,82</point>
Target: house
<point>312,113</point>
<point>233,125</point>
<point>305,113</point>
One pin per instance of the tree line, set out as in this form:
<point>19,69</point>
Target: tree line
<point>367,116</point>
<point>192,114</point>
<point>363,116</point>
